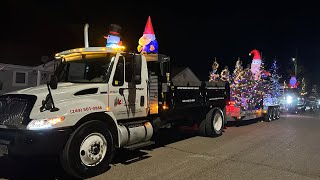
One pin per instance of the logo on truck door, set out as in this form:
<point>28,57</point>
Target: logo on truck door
<point>117,101</point>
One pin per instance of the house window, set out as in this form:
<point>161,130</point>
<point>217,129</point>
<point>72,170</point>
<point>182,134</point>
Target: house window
<point>20,78</point>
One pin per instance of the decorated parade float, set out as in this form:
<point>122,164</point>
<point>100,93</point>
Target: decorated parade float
<point>254,91</point>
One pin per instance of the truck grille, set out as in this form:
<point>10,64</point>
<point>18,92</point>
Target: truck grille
<point>15,110</point>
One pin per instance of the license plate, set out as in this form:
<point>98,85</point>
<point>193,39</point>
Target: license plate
<point>3,150</point>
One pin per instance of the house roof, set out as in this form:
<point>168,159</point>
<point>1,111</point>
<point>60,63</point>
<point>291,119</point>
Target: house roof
<point>14,66</point>
<point>42,67</point>
<point>176,71</point>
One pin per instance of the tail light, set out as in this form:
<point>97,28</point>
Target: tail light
<point>230,103</point>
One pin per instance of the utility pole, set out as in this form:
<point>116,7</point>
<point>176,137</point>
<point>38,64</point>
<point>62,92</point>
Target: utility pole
<point>296,63</point>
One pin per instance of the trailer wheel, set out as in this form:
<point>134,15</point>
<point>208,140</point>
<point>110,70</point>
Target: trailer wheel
<point>274,113</point>
<point>269,115</point>
<point>278,113</point>
<point>212,125</point>
<point>88,151</point>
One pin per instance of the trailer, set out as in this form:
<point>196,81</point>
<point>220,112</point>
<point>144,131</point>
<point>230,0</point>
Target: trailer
<point>253,92</point>
<point>267,111</point>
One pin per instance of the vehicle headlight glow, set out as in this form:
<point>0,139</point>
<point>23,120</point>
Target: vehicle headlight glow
<point>39,124</point>
<point>289,99</point>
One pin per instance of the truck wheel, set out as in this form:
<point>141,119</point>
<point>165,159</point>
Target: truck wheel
<point>88,151</point>
<point>212,125</point>
<point>216,123</point>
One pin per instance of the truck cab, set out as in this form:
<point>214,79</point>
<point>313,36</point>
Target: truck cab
<point>119,78</point>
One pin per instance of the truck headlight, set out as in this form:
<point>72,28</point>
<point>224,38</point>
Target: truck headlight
<point>289,99</point>
<point>39,124</point>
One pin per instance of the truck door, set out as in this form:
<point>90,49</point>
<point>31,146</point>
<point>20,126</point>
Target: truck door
<point>116,83</point>
<point>137,85</point>
<point>128,88</point>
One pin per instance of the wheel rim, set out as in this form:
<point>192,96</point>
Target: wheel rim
<point>217,123</point>
<point>93,149</point>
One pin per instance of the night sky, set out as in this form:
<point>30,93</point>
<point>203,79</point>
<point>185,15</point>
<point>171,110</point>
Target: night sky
<point>192,35</point>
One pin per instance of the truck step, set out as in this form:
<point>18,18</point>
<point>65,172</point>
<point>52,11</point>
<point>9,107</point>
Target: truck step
<point>139,145</point>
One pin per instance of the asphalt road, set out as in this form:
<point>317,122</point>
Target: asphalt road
<point>288,148</point>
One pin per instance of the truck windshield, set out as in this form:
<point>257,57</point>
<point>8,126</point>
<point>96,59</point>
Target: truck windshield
<point>87,69</point>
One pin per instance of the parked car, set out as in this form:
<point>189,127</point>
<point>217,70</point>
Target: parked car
<point>313,102</point>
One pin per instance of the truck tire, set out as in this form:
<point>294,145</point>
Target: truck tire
<point>89,150</point>
<point>212,125</point>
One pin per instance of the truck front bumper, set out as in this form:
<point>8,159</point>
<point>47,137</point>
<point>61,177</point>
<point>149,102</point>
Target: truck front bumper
<point>33,143</point>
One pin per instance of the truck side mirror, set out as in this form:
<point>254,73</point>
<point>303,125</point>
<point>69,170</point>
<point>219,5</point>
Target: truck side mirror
<point>53,82</point>
<point>137,62</point>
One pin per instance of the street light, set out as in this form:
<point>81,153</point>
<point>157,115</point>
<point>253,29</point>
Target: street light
<point>295,66</point>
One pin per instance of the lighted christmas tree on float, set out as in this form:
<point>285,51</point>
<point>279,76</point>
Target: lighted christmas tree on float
<point>275,85</point>
<point>249,86</point>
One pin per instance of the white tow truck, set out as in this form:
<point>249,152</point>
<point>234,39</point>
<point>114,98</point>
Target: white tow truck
<point>101,99</point>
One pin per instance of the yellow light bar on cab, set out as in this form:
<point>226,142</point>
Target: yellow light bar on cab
<point>113,49</point>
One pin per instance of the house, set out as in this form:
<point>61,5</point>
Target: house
<point>16,77</point>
